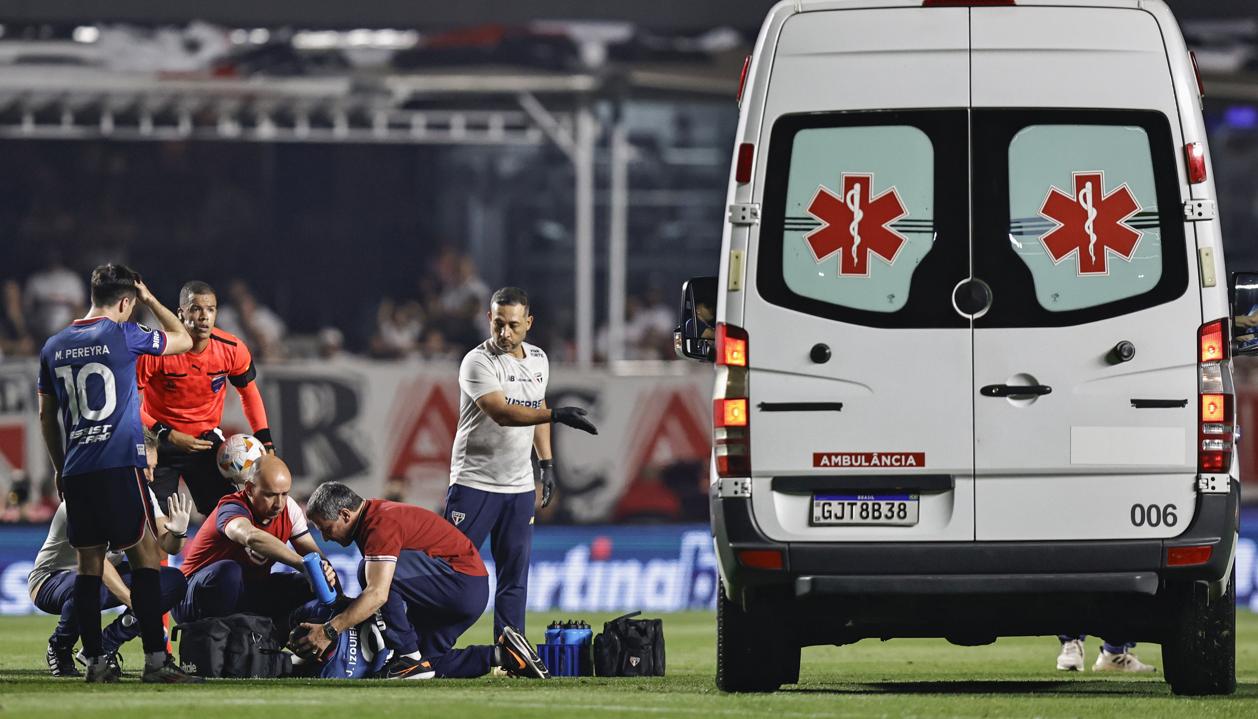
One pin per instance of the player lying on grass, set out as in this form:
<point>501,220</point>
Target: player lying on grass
<point>51,581</point>
<point>427,581</point>
<point>228,563</point>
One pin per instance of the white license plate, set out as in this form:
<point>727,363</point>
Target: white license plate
<point>896,510</point>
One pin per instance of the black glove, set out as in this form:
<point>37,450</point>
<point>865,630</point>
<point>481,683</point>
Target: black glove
<point>546,475</point>
<point>264,436</point>
<point>214,437</point>
<point>573,417</point>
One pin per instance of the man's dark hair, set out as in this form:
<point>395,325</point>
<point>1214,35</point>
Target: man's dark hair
<point>511,296</point>
<point>330,498</point>
<point>195,287</point>
<point>111,283</point>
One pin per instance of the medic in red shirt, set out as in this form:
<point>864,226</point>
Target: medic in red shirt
<point>427,581</point>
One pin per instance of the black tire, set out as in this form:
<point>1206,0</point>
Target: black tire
<point>1199,652</point>
<point>747,652</point>
<point>788,668</point>
<point>1170,671</point>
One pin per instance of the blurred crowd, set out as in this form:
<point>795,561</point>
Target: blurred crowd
<point>50,298</point>
<point>24,502</point>
<point>438,320</point>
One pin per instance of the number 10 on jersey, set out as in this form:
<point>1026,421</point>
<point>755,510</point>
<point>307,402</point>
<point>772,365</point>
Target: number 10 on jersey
<point>76,391</point>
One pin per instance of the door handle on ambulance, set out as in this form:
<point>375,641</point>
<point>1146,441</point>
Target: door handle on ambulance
<point>1015,391</point>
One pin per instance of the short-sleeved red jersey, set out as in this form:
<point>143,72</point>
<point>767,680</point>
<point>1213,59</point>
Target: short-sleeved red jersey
<point>386,528</point>
<point>186,391</point>
<point>211,543</point>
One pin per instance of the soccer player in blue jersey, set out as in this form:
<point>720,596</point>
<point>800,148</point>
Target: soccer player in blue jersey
<point>87,380</point>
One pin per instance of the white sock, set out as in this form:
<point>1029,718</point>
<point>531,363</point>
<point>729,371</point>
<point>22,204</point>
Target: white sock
<point>413,655</point>
<point>154,660</point>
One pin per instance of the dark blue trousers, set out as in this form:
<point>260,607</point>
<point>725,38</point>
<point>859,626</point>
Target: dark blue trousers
<point>223,588</point>
<point>507,520</point>
<point>56,596</point>
<point>429,607</point>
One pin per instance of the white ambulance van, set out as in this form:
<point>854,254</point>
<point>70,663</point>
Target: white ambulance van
<point>972,338</point>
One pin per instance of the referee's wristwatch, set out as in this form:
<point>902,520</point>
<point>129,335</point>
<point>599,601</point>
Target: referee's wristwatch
<point>330,632</point>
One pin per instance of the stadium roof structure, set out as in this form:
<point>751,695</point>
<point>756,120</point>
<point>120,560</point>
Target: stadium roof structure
<point>664,15</point>
<point>471,105</point>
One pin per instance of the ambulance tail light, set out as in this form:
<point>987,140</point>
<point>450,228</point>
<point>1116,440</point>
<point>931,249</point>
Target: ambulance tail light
<point>731,345</point>
<point>731,412</point>
<point>761,559</point>
<point>1195,154</point>
<point>742,169</point>
<point>1188,556</point>
<point>731,440</point>
<point>1212,341</point>
<point>1216,403</point>
<point>1196,71</point>
<point>742,79</point>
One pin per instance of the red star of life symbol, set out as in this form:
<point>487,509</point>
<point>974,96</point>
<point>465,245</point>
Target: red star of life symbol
<point>855,225</point>
<point>1090,224</point>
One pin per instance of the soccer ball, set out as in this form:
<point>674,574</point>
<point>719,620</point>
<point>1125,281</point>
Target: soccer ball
<point>238,457</point>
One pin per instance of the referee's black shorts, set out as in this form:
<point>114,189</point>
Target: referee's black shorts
<point>108,507</point>
<point>199,471</point>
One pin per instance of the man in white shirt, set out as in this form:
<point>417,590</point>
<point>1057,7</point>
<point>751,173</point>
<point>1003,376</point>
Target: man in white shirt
<point>54,296</point>
<point>502,417</point>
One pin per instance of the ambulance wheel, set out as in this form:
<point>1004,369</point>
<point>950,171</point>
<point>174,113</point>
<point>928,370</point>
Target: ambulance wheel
<point>1199,650</point>
<point>788,669</point>
<point>749,654</point>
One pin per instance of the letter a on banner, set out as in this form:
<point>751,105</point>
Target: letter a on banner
<point>428,435</point>
<point>13,446</point>
<point>675,432</point>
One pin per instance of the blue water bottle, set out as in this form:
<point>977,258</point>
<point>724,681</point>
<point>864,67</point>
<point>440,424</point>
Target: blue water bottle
<point>570,637</point>
<point>570,634</point>
<point>314,571</point>
<point>552,632</point>
<point>585,664</point>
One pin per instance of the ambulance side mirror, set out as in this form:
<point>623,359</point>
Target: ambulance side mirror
<point>695,335</point>
<point>1244,313</point>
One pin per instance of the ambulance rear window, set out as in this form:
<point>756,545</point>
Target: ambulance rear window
<point>865,217</point>
<point>1076,215</point>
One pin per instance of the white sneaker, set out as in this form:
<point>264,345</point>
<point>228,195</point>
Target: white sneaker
<point>1123,662</point>
<point>1071,657</point>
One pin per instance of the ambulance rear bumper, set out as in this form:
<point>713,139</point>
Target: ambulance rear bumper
<point>974,568</point>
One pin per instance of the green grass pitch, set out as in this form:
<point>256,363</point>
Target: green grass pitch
<point>900,678</point>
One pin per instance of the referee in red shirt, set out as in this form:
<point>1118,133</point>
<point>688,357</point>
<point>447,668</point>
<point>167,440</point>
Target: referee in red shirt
<point>183,401</point>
